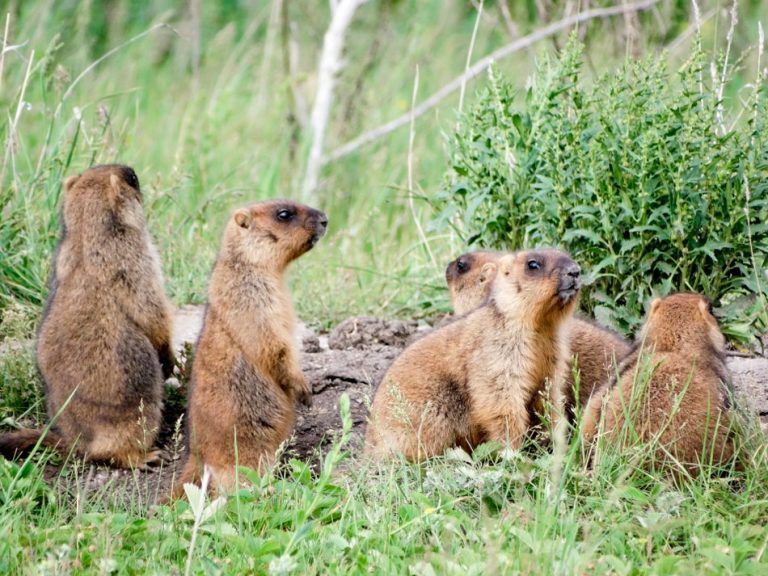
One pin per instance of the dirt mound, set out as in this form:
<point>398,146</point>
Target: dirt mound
<point>361,332</point>
<point>333,373</point>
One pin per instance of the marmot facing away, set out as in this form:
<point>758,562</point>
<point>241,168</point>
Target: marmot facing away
<point>481,377</point>
<point>683,403</point>
<point>246,376</point>
<point>596,350</point>
<point>104,343</point>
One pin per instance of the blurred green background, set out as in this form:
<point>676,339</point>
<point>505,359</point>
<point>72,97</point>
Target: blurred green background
<point>209,102</point>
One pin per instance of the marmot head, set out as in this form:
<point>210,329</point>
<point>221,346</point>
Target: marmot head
<point>537,285</point>
<point>469,279</point>
<point>111,193</point>
<point>274,232</point>
<point>681,321</point>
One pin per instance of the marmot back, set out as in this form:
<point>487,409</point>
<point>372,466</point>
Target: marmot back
<point>684,405</point>
<point>246,376</point>
<point>482,376</point>
<point>596,350</point>
<point>104,341</point>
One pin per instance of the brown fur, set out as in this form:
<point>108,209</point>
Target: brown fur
<point>103,345</point>
<point>685,348</point>
<point>246,375</point>
<point>595,349</point>
<point>481,377</point>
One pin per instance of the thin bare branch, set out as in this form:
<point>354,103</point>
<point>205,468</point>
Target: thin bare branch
<point>512,28</point>
<point>479,67</point>
<point>328,68</point>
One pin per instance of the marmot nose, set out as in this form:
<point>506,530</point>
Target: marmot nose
<point>574,270</point>
<point>320,221</point>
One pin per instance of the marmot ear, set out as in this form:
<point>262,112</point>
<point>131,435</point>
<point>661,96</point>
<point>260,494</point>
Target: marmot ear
<point>705,309</point>
<point>70,181</point>
<point>114,188</point>
<point>655,305</point>
<point>487,272</point>
<point>242,218</point>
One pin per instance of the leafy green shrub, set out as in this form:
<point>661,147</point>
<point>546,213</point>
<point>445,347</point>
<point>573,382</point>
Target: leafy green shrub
<point>644,176</point>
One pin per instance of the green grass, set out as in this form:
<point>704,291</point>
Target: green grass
<point>496,513</point>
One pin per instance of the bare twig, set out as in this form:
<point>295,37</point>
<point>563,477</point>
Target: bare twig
<point>479,67</point>
<point>512,28</point>
<point>632,34</point>
<point>329,66</point>
<point>542,10</point>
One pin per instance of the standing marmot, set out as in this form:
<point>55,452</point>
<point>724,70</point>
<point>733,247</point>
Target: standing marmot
<point>481,377</point>
<point>672,386</point>
<point>104,341</point>
<point>596,350</point>
<point>246,375</point>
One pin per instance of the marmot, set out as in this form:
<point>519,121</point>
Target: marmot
<point>596,350</point>
<point>673,387</point>
<point>481,377</point>
<point>246,376</point>
<point>104,343</point>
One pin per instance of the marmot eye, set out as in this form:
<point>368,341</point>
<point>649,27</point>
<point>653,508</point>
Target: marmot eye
<point>131,179</point>
<point>284,215</point>
<point>462,266</point>
<point>534,265</point>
